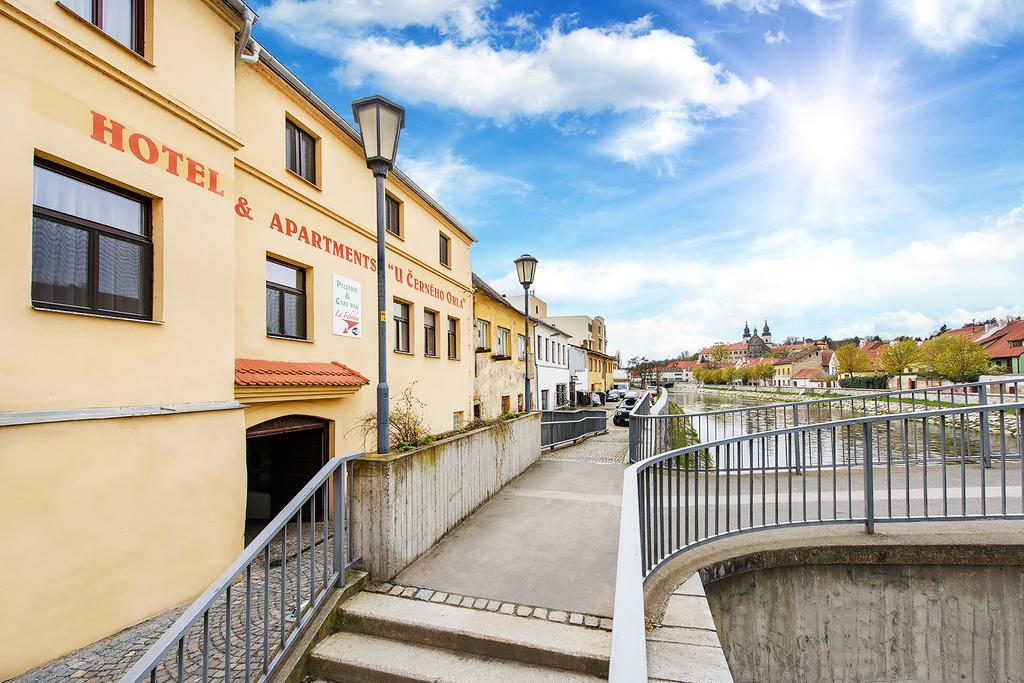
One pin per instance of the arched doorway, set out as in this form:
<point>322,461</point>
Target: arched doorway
<point>281,456</point>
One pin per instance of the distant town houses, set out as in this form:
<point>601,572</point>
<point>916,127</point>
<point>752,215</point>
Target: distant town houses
<point>566,357</point>
<point>997,347</point>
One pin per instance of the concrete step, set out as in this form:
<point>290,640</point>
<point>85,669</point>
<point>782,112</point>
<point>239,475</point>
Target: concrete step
<point>487,634</point>
<point>358,658</point>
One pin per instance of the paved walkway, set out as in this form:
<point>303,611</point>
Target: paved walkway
<point>567,505</point>
<point>549,539</point>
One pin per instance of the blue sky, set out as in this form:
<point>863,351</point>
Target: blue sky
<point>835,166</point>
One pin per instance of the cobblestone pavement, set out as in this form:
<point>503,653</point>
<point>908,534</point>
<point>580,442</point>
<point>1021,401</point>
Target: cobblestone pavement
<point>485,604</point>
<point>110,658</point>
<point>610,447</point>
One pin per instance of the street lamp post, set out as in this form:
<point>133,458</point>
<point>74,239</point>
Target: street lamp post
<point>526,268</point>
<point>380,123</point>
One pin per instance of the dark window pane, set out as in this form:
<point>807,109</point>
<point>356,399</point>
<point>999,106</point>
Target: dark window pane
<point>392,215</point>
<point>59,192</point>
<point>273,311</point>
<point>122,276</point>
<point>292,312</point>
<point>281,274</point>
<point>60,263</point>
<point>445,250</point>
<point>430,333</point>
<point>119,21</point>
<point>307,157</point>
<point>291,145</point>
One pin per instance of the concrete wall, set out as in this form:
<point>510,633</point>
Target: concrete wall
<point>872,622</point>
<point>405,502</point>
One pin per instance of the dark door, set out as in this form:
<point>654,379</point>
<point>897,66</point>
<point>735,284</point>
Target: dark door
<point>281,457</point>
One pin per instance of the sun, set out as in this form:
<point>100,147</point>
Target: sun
<point>827,137</point>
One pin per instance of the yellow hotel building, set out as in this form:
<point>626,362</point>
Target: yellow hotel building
<point>188,299</point>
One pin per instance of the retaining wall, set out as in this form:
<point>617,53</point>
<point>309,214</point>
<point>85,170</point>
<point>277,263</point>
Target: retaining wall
<point>405,502</point>
<point>862,622</point>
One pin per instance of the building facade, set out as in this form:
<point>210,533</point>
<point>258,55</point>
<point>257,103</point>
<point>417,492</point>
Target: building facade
<point>200,253</point>
<point>552,366</point>
<point>501,349</point>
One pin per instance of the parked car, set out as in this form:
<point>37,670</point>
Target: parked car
<point>621,416</point>
<point>614,395</point>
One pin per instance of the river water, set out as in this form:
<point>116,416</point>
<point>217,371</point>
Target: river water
<point>908,441</point>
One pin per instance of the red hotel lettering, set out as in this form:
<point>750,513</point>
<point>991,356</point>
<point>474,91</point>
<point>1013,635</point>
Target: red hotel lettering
<point>289,228</point>
<point>145,149</point>
<point>152,153</point>
<point>408,279</point>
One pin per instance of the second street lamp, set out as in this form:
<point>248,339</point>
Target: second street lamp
<point>380,122</point>
<point>526,268</point>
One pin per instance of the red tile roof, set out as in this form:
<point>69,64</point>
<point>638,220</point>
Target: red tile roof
<point>682,365</point>
<point>1000,348</point>
<point>967,331</point>
<point>264,373</point>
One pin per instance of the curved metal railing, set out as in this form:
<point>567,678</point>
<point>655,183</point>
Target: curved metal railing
<point>243,625</point>
<point>955,463</point>
<point>562,427</point>
<point>654,434</point>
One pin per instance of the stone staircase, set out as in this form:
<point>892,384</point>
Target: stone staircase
<point>387,638</point>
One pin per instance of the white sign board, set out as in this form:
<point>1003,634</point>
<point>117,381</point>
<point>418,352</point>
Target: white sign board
<point>347,307</point>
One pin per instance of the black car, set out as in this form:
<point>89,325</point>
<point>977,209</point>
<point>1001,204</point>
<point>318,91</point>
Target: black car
<point>621,416</point>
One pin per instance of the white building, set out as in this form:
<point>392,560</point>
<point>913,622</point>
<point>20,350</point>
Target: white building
<point>577,371</point>
<point>552,352</point>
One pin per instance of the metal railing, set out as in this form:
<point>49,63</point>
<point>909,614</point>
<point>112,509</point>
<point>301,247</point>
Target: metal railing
<point>959,463</point>
<point>242,626</point>
<point>558,427</point>
<point>654,436</point>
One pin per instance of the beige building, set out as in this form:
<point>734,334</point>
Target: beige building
<point>589,334</point>
<point>190,303</point>
<point>501,350</point>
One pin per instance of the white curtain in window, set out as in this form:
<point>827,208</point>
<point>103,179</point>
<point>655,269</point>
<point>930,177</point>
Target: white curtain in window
<point>119,21</point>
<point>56,191</point>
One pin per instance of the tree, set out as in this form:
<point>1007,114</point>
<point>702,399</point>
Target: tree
<point>852,358</point>
<point>956,358</point>
<point>746,373</point>
<point>719,353</point>
<point>766,372</point>
<point>899,357</point>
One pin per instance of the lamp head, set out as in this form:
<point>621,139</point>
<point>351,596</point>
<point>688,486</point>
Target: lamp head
<point>526,268</point>
<point>380,122</point>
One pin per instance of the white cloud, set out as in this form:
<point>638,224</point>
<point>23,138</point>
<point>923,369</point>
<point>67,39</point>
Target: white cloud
<point>805,284</point>
<point>655,73</point>
<point>822,8</point>
<point>775,38</point>
<point>520,22</point>
<point>454,181</point>
<point>321,23</point>
<point>950,25</point>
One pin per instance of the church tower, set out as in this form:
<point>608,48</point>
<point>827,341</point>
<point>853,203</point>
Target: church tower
<point>766,334</point>
<point>746,331</point>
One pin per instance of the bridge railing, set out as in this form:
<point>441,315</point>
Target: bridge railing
<point>656,434</point>
<point>245,623</point>
<point>558,428</point>
<point>960,463</point>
